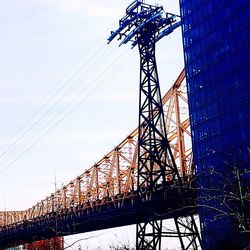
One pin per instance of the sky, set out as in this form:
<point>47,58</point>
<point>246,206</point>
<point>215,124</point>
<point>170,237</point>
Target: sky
<point>66,97</point>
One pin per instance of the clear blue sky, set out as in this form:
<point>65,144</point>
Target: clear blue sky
<point>42,40</point>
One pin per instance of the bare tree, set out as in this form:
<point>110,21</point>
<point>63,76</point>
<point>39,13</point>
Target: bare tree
<point>121,246</point>
<point>225,195</point>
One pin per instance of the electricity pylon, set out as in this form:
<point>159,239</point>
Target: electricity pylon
<point>144,25</point>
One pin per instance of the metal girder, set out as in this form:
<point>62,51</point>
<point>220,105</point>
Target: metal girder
<point>149,235</point>
<point>155,159</point>
<point>151,232</point>
<point>188,233</point>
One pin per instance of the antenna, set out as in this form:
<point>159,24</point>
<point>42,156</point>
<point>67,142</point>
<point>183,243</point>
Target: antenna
<point>55,182</point>
<point>4,209</point>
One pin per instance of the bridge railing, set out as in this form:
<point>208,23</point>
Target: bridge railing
<point>114,177</point>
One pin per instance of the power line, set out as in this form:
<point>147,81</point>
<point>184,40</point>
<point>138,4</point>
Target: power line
<point>100,83</point>
<point>41,122</point>
<point>55,90</point>
<point>67,94</point>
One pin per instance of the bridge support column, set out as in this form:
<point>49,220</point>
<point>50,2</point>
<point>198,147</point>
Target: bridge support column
<point>188,233</point>
<point>150,233</point>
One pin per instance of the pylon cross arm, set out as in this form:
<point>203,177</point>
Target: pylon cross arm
<point>138,16</point>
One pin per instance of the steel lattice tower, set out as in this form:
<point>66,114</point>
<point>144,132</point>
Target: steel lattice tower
<point>144,25</point>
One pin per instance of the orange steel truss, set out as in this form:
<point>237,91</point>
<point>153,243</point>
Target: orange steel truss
<point>115,175</point>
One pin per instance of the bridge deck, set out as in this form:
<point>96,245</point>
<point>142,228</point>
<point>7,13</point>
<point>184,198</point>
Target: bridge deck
<point>86,218</point>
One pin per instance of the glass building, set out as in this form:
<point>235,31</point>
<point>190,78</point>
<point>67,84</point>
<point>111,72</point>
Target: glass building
<point>216,40</point>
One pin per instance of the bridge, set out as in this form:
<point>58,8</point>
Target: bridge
<point>105,195</point>
<point>144,179</point>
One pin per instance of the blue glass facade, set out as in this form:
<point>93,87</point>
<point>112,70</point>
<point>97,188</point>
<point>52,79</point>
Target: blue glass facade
<point>216,40</point>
